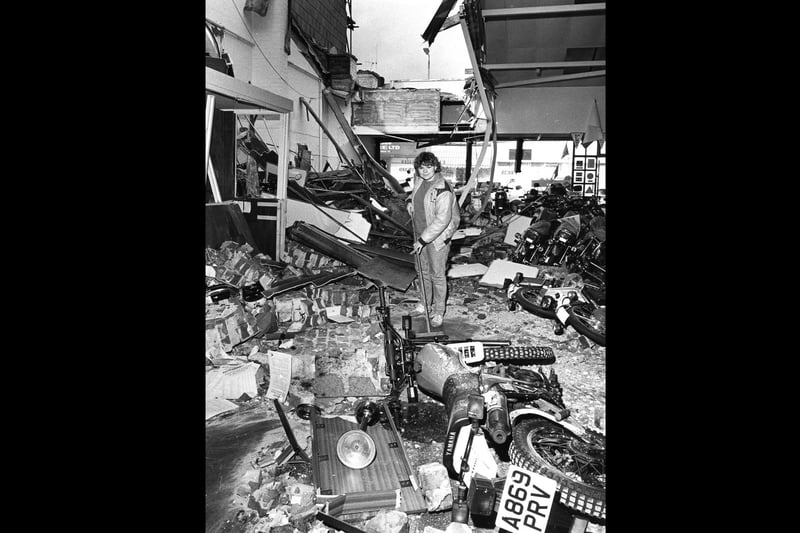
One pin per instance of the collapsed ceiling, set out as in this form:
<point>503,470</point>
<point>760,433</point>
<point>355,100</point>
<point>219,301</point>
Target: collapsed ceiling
<point>542,60</point>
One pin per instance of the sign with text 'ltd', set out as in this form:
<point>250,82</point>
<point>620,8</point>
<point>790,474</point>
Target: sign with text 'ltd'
<point>526,502</point>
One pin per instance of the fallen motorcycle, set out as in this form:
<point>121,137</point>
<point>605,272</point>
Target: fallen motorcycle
<point>526,405</point>
<point>569,301</point>
<point>587,317</point>
<point>487,391</point>
<point>541,297</point>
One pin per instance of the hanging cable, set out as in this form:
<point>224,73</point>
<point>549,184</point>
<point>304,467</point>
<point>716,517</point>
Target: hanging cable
<point>247,27</point>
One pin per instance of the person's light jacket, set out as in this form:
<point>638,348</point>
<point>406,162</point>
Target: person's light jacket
<point>441,211</point>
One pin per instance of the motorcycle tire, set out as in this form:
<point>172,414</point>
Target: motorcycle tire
<point>580,317</point>
<point>576,464</point>
<point>528,298</point>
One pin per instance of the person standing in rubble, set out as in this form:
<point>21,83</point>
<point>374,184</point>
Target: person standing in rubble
<point>435,217</point>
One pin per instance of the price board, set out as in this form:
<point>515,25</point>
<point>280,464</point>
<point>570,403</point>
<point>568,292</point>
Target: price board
<point>526,502</point>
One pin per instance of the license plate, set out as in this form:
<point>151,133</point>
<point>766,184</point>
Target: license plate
<point>526,502</point>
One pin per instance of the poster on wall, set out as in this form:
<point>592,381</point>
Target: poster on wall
<point>591,163</point>
<point>590,177</point>
<point>579,163</point>
<point>589,190</point>
<point>578,188</point>
<point>577,176</point>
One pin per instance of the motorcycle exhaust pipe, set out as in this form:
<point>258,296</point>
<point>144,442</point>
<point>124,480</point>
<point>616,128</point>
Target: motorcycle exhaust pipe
<point>498,422</point>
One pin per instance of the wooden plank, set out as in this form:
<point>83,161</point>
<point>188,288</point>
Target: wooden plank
<point>374,487</point>
<point>398,108</point>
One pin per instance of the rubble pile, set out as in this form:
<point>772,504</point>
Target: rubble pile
<point>332,335</point>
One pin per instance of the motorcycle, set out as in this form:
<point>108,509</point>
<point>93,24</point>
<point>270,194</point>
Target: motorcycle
<point>549,201</point>
<point>589,256</point>
<point>488,394</point>
<point>576,299</point>
<point>530,245</point>
<point>587,317</point>
<point>564,236</point>
<point>521,407</point>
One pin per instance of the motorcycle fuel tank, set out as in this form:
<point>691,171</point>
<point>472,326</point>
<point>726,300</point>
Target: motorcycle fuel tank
<point>434,364</point>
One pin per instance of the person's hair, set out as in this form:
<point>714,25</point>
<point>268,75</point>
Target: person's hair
<point>427,158</point>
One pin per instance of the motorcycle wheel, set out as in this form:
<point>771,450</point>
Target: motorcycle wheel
<point>577,464</point>
<point>584,318</point>
<point>530,300</point>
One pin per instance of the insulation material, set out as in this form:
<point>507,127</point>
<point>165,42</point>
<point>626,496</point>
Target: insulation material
<point>464,270</point>
<point>316,216</point>
<point>500,269</point>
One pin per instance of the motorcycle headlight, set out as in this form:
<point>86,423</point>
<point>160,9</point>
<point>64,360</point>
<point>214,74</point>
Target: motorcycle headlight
<point>564,236</point>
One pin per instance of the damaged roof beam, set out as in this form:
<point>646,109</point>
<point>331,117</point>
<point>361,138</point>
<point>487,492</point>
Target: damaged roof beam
<point>545,64</point>
<point>545,11</point>
<point>551,79</point>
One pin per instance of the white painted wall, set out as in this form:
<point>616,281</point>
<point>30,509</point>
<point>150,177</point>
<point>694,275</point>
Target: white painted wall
<point>255,46</point>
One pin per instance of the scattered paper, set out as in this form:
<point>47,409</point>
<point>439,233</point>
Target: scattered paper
<point>500,269</point>
<point>214,379</point>
<point>463,270</point>
<point>518,225</point>
<point>240,380</point>
<point>218,406</point>
<point>280,375</point>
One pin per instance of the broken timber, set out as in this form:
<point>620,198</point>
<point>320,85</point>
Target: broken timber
<point>358,146</point>
<point>376,269</point>
<point>381,214</point>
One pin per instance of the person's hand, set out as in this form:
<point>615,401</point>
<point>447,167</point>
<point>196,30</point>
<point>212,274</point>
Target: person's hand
<point>417,247</point>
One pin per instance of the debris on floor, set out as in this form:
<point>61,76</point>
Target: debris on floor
<point>331,335</point>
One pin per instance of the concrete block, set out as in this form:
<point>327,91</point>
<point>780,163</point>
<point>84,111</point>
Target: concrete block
<point>387,522</point>
<point>301,497</point>
<point>434,482</point>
